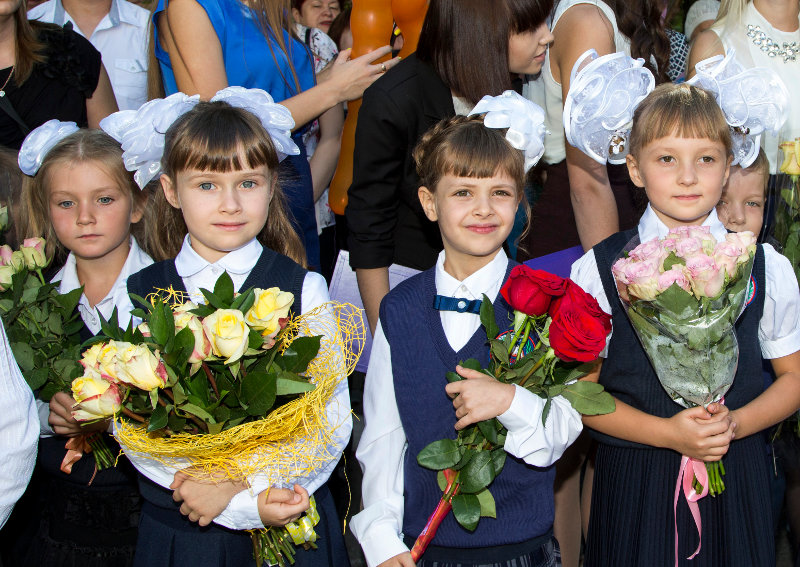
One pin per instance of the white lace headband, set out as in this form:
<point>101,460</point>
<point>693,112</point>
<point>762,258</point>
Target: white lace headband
<point>40,141</point>
<point>753,101</point>
<point>598,110</point>
<point>141,132</point>
<point>523,118</point>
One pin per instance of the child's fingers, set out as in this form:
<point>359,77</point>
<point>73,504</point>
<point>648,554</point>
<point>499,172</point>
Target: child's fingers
<point>180,476</point>
<point>469,373</point>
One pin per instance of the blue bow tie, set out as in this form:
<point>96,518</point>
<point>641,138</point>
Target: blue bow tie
<point>460,304</point>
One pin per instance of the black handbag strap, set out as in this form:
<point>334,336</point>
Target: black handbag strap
<point>8,108</point>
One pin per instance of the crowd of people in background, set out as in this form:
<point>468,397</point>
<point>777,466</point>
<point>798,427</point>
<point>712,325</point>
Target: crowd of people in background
<point>82,61</point>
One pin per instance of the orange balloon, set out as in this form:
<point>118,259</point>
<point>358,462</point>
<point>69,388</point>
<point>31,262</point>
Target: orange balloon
<point>409,15</point>
<point>371,23</point>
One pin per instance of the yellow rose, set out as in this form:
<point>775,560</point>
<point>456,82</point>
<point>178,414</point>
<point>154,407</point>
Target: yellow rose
<point>95,397</point>
<point>33,252</point>
<point>270,306</point>
<point>5,276</point>
<point>184,319</point>
<point>228,333</point>
<point>138,366</point>
<point>105,359</point>
<point>91,356</point>
<point>791,153</point>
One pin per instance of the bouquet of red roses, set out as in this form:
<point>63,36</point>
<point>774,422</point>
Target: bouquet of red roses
<point>557,333</point>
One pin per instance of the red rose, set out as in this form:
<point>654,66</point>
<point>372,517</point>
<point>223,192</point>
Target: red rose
<point>531,291</point>
<point>579,327</point>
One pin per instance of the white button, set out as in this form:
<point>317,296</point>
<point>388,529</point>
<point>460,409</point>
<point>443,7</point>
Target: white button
<point>462,304</point>
<point>463,288</point>
<point>215,270</point>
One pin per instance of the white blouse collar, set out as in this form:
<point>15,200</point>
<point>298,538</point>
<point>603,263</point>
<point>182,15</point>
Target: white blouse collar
<point>651,227</point>
<point>239,261</point>
<point>474,285</point>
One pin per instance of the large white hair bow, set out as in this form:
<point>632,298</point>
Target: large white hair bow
<point>141,132</point>
<point>523,118</point>
<point>753,101</point>
<point>598,110</point>
<point>40,141</point>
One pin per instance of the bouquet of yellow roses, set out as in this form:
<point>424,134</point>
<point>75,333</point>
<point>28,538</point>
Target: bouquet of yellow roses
<point>234,385</point>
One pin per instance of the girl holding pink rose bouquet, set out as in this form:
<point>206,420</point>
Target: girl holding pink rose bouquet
<point>472,170</point>
<point>78,195</point>
<point>680,152</point>
<point>220,210</point>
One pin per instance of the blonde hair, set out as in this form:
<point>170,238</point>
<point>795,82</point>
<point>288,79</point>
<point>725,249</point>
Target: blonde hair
<point>681,110</point>
<point>215,136</point>
<point>84,146</point>
<point>464,147</point>
<point>760,166</point>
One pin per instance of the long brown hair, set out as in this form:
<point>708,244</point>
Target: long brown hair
<point>83,146</point>
<point>466,41</point>
<point>29,48</point>
<point>274,17</point>
<point>642,23</point>
<point>215,136</point>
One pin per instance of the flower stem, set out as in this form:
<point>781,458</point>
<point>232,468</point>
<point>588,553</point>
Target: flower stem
<point>514,338</point>
<point>210,376</point>
<point>128,413</point>
<point>536,367</point>
<point>438,516</point>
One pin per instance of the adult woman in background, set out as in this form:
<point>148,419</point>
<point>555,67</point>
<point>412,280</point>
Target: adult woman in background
<point>583,202</point>
<point>47,72</point>
<point>467,49</point>
<point>316,13</point>
<point>779,22</point>
<point>206,45</point>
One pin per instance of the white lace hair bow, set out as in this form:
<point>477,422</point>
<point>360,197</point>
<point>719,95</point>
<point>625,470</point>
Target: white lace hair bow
<point>598,110</point>
<point>753,101</point>
<point>141,132</point>
<point>40,141</point>
<point>523,118</point>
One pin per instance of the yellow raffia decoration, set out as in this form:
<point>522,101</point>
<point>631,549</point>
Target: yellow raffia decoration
<point>292,440</point>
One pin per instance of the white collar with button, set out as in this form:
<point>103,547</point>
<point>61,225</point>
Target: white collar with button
<point>198,273</point>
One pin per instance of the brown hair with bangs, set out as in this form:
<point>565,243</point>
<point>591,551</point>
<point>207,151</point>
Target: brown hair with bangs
<point>215,136</point>
<point>460,37</point>
<point>681,110</point>
<point>83,146</point>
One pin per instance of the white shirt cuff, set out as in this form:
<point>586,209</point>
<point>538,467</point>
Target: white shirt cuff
<point>242,512</point>
<point>374,529</point>
<point>43,409</point>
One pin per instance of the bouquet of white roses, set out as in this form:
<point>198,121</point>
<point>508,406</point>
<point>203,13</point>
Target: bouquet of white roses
<point>683,294</point>
<point>223,386</point>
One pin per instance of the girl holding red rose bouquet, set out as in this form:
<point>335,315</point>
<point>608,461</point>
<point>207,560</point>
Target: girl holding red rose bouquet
<point>472,171</point>
<point>680,154</point>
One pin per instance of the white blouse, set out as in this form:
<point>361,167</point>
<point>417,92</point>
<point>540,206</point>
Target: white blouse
<point>242,511</point>
<point>779,327</point>
<point>383,444</point>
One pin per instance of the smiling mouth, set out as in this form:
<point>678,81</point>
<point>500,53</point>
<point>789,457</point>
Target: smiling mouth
<point>482,228</point>
<point>230,227</point>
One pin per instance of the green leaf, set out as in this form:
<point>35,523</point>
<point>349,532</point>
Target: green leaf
<point>213,300</point>
<point>289,384</point>
<point>182,347</point>
<point>176,423</point>
<point>255,340</point>
<point>441,481</point>
<point>489,430</point>
<point>453,376</point>
<point>498,459</point>
<point>158,419</point>
<point>499,351</point>
<point>154,398</point>
<point>299,354</point>
<point>467,510</point>
<point>23,354</point>
<point>439,455</point>
<point>178,394</point>
<point>38,377</point>
<point>673,259</point>
<point>258,392</point>
<point>161,323</point>
<point>478,473</point>
<point>223,289</point>
<point>589,398</point>
<point>472,364</point>
<point>198,411</point>
<point>487,318</point>
<point>488,506</point>
<point>69,301</point>
<point>48,391</point>
<point>244,301</point>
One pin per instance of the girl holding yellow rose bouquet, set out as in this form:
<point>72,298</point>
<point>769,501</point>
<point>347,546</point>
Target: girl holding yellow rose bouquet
<point>78,195</point>
<point>222,212</point>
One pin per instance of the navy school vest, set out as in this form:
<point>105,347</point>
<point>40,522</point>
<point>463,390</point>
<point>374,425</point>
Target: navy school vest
<point>627,373</point>
<point>421,356</point>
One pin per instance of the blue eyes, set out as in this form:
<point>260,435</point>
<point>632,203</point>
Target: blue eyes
<point>249,184</point>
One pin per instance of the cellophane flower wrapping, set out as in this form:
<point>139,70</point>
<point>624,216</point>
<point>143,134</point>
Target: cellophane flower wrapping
<point>683,294</point>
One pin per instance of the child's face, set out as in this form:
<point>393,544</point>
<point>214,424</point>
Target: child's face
<point>475,217</point>
<point>742,204</point>
<point>683,177</point>
<point>222,211</point>
<point>91,214</point>
<point>526,51</point>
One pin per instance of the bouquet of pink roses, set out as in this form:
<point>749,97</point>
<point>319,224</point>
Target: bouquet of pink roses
<point>683,294</point>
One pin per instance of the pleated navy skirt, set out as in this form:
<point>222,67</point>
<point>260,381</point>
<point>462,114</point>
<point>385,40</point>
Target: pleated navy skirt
<point>632,520</point>
<point>169,539</point>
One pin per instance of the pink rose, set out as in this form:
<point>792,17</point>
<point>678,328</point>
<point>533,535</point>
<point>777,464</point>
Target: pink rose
<point>643,277</point>
<point>5,254</point>
<point>688,247</point>
<point>746,241</point>
<point>707,278</point>
<point>618,269</point>
<point>679,232</point>
<point>647,250</point>
<point>33,251</point>
<point>670,243</point>
<point>675,275</point>
<point>725,255</point>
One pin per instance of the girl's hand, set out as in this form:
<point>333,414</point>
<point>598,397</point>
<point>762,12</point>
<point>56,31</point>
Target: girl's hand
<point>479,397</point>
<point>701,434</point>
<point>63,423</point>
<point>203,499</point>
<point>402,560</point>
<point>282,505</point>
<point>350,77</point>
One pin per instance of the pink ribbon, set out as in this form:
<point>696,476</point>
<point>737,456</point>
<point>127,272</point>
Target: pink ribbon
<point>696,468</point>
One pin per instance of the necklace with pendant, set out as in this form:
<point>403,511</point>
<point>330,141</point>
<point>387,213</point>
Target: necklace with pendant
<point>3,88</point>
<point>788,51</point>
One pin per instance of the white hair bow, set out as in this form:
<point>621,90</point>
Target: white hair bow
<point>523,118</point>
<point>598,110</point>
<point>753,101</point>
<point>40,141</point>
<point>141,132</point>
